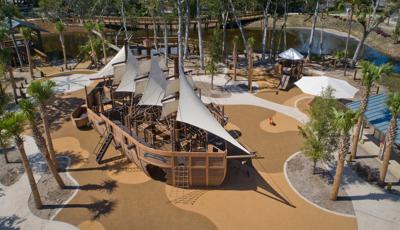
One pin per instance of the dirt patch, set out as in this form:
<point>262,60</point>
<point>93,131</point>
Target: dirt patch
<point>52,196</point>
<point>10,172</point>
<point>316,187</point>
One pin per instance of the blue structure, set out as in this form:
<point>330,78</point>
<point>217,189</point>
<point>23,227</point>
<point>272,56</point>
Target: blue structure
<point>377,114</point>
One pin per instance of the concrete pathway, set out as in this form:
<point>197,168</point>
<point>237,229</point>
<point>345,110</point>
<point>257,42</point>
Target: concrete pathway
<point>374,207</point>
<point>14,210</point>
<point>239,96</point>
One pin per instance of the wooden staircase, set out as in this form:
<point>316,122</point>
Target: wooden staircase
<point>102,146</point>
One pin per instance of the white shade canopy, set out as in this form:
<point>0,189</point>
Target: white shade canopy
<point>108,69</point>
<point>155,89</point>
<point>315,85</point>
<point>191,110</point>
<point>128,78</point>
<point>291,54</point>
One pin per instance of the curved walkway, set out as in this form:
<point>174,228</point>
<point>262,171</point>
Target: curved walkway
<point>14,210</point>
<point>239,96</point>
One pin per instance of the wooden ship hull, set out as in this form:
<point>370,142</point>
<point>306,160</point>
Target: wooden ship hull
<point>159,122</point>
<point>182,169</point>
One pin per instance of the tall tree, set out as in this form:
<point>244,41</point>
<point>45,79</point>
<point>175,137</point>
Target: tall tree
<point>4,141</point>
<point>187,28</point>
<point>265,32</point>
<point>89,26</point>
<point>370,19</point>
<point>100,27</point>
<point>43,93</point>
<point>26,35</point>
<point>272,47</point>
<point>250,64</point>
<point>199,33</point>
<point>235,55</point>
<point>5,62</point>
<point>315,17</point>
<point>344,121</point>
<point>28,108</point>
<point>180,41</point>
<point>13,123</point>
<point>59,27</point>
<point>370,74</point>
<point>393,104</point>
<point>239,24</point>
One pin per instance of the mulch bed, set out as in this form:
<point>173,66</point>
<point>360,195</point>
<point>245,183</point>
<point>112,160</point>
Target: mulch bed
<point>316,187</point>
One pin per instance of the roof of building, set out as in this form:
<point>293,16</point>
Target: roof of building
<point>15,23</point>
<point>377,113</point>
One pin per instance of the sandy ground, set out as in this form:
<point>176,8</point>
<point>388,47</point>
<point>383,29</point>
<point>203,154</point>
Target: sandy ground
<point>117,195</point>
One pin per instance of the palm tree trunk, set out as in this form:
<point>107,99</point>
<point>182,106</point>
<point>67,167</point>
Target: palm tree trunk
<point>390,137</point>
<point>28,54</point>
<point>41,143</point>
<point>180,42</point>
<point>13,83</point>
<point>313,31</point>
<point>62,41</point>
<point>265,32</point>
<point>346,50</point>
<point>155,36</point>
<point>200,34</point>
<point>5,152</point>
<point>285,26</point>
<point>45,120</point>
<point>187,28</point>
<point>343,149</point>
<point>35,192</point>
<point>357,131</point>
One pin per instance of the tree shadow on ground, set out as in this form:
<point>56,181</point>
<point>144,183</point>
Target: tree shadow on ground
<point>10,222</point>
<point>61,109</point>
<point>74,157</point>
<point>107,186</point>
<point>119,164</point>
<point>98,207</point>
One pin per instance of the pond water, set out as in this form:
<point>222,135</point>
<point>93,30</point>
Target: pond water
<point>296,38</point>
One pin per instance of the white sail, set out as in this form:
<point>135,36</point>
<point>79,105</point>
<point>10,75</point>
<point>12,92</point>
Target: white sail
<point>191,110</point>
<point>155,89</point>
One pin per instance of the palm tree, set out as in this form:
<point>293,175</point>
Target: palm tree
<point>59,27</point>
<point>5,62</point>
<point>212,68</point>
<point>344,121</point>
<point>393,104</point>
<point>26,35</point>
<point>13,123</point>
<point>89,26</point>
<point>43,93</point>
<point>100,28</point>
<point>28,108</point>
<point>370,74</point>
<point>4,142</point>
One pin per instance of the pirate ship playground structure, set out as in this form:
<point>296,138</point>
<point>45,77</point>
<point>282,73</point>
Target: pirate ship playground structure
<point>159,122</point>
